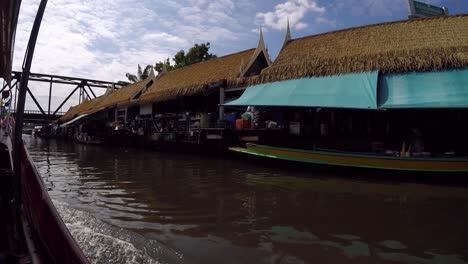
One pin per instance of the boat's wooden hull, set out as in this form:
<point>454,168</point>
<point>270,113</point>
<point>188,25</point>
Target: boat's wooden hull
<point>356,160</point>
<point>51,239</point>
<point>51,233</point>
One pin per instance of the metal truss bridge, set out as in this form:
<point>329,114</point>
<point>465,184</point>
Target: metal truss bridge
<point>83,88</point>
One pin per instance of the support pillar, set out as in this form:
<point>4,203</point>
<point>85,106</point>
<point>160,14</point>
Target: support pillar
<point>16,91</point>
<point>80,95</point>
<point>221,102</point>
<point>50,95</point>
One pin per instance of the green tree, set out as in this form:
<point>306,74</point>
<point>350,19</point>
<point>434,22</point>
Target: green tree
<point>141,74</point>
<point>180,60</point>
<point>160,65</point>
<point>197,53</point>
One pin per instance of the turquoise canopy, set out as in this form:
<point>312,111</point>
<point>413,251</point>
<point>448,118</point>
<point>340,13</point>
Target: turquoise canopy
<point>442,89</point>
<point>369,90</point>
<point>357,90</point>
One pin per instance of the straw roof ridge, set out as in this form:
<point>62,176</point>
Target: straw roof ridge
<point>83,108</point>
<point>428,44</point>
<point>403,21</point>
<point>104,101</point>
<point>194,78</point>
<point>121,95</point>
<point>68,114</point>
<point>207,61</point>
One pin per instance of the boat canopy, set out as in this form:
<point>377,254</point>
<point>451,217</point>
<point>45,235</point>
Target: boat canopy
<point>442,89</point>
<point>9,10</point>
<point>356,90</point>
<point>73,120</point>
<point>369,90</point>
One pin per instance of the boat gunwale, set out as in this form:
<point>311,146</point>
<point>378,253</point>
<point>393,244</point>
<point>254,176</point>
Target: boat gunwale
<point>361,155</point>
<point>320,162</point>
<point>74,249</point>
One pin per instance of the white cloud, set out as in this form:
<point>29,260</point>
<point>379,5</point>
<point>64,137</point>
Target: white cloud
<point>295,10</point>
<point>257,30</point>
<point>324,20</point>
<point>89,39</point>
<point>103,40</point>
<point>300,26</point>
<point>164,39</point>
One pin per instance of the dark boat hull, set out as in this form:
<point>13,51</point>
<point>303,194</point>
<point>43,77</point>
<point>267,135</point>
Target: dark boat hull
<point>352,160</point>
<point>48,236</point>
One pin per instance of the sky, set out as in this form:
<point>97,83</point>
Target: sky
<point>103,40</point>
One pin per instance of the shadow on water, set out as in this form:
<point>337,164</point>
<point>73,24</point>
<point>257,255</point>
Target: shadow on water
<point>206,209</point>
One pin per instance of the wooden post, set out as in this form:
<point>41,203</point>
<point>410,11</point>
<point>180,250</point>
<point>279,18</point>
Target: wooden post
<point>388,128</point>
<point>221,102</point>
<point>368,124</point>
<point>16,95</point>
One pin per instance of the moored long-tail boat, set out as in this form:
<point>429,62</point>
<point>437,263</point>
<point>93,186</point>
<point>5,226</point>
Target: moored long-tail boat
<point>357,160</point>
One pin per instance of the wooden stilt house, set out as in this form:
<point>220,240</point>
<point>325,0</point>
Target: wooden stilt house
<point>394,89</point>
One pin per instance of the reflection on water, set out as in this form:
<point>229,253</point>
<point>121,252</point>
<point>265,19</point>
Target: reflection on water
<point>125,205</point>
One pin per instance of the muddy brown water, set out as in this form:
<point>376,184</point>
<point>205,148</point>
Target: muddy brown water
<point>142,206</point>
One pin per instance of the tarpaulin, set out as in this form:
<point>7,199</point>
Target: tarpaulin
<point>357,90</point>
<point>441,89</point>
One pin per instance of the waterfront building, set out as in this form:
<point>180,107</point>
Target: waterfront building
<point>178,105</point>
<point>391,89</point>
<point>94,121</point>
<point>186,102</point>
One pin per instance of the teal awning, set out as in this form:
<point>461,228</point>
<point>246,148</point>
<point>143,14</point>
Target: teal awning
<point>357,90</point>
<point>442,89</point>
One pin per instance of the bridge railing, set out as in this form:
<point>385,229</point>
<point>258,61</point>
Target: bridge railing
<point>37,112</point>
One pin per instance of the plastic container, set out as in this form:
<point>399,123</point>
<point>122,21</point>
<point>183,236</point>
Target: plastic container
<point>204,120</point>
<point>295,128</point>
<point>230,119</point>
<point>246,123</point>
<point>247,116</point>
<point>239,123</point>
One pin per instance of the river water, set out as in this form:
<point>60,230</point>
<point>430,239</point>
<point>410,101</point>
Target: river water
<point>142,206</point>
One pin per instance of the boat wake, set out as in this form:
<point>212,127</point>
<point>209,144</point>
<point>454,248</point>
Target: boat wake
<point>103,243</point>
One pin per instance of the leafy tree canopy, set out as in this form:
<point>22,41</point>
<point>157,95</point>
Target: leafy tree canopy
<point>141,74</point>
<point>160,65</point>
<point>197,53</point>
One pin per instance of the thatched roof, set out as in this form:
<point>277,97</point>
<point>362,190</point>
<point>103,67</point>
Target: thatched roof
<point>260,51</point>
<point>121,96</point>
<point>83,108</point>
<point>193,79</point>
<point>68,115</point>
<point>117,97</point>
<point>401,46</point>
